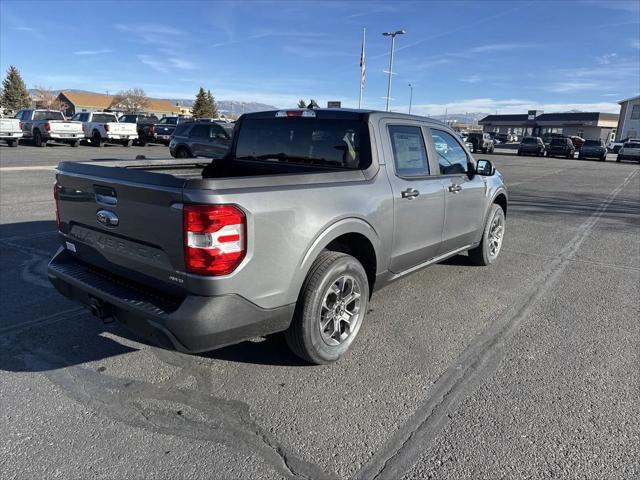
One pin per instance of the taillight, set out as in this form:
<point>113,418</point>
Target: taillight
<point>21,125</point>
<point>47,126</point>
<point>152,129</point>
<point>214,238</point>
<point>56,198</point>
<point>106,127</point>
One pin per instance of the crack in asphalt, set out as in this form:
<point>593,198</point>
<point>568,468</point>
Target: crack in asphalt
<point>479,360</point>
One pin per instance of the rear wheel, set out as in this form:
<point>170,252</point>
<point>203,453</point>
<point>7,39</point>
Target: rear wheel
<point>75,144</point>
<point>96,139</point>
<point>127,143</point>
<point>603,158</point>
<point>142,139</point>
<point>330,310</point>
<point>37,139</point>
<point>13,143</point>
<point>487,252</point>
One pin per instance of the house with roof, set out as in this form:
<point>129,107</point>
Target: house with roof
<point>90,102</point>
<point>588,125</point>
<point>629,122</point>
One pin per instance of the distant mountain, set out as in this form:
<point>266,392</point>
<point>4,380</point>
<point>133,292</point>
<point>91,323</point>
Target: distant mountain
<point>227,107</point>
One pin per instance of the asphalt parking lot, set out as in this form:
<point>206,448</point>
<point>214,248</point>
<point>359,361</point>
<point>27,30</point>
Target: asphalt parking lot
<point>526,369</point>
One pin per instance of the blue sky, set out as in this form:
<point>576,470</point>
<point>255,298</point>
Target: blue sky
<point>463,56</point>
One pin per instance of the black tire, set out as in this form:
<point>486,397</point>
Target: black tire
<point>519,153</point>
<point>127,143</point>
<point>37,139</point>
<point>603,158</point>
<point>142,139</point>
<point>96,139</point>
<point>183,152</point>
<point>617,159</point>
<point>484,150</point>
<point>481,255</point>
<point>75,144</point>
<point>12,143</point>
<point>304,336</point>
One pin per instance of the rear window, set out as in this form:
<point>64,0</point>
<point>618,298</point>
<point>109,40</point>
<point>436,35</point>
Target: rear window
<point>168,121</point>
<point>103,118</point>
<point>592,143</point>
<point>529,140</point>
<point>334,142</point>
<point>48,115</point>
<point>558,141</point>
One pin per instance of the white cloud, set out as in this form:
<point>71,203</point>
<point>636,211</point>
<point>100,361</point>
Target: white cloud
<point>158,65</point>
<point>635,43</point>
<point>607,58</point>
<point>565,87</point>
<point>181,63</point>
<point>490,105</point>
<point>93,52</point>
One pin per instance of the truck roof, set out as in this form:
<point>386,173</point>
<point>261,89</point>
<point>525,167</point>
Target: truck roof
<point>344,113</point>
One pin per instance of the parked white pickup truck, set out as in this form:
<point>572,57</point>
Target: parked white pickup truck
<point>101,127</point>
<point>10,130</point>
<point>49,125</point>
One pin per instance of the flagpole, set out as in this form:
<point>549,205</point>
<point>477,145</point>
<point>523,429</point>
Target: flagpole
<point>364,35</point>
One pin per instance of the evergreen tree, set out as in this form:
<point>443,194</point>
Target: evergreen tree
<point>14,92</point>
<point>205,105</point>
<point>302,104</point>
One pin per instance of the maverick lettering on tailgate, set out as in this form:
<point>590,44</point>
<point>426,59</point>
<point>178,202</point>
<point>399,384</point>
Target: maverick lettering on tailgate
<point>125,248</point>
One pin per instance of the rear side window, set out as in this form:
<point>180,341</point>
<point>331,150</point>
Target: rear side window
<point>452,158</point>
<point>409,152</point>
<point>200,131</point>
<point>181,129</point>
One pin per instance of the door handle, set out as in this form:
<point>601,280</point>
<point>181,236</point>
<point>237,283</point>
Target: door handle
<point>410,193</point>
<point>454,188</point>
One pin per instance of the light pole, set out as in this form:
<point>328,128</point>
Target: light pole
<point>410,98</point>
<point>390,72</point>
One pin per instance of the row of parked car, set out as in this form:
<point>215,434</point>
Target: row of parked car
<point>184,135</point>
<point>559,146</point>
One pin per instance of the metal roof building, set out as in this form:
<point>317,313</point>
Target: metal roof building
<point>90,102</point>
<point>588,125</point>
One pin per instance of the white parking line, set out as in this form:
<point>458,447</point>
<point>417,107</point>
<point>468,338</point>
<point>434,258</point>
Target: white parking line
<point>24,169</point>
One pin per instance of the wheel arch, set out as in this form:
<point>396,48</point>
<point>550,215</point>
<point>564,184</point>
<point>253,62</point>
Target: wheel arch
<point>353,236</point>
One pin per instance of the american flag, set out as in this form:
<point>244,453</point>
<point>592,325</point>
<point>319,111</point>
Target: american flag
<point>362,63</point>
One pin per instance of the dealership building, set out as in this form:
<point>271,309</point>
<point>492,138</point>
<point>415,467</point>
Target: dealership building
<point>588,125</point>
<point>629,123</point>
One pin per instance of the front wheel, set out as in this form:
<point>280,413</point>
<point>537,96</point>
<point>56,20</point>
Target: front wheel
<point>330,310</point>
<point>487,252</point>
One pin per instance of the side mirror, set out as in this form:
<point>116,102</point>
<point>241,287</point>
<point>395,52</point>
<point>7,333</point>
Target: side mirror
<point>485,168</point>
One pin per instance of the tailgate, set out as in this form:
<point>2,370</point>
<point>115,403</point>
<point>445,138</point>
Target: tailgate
<point>65,127</point>
<point>122,128</point>
<point>127,222</point>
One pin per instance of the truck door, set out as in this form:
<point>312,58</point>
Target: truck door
<point>465,196</point>
<point>418,197</point>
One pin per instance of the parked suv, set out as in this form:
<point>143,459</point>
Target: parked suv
<point>481,141</point>
<point>201,138</point>
<point>531,146</point>
<point>593,149</point>
<point>561,147</point>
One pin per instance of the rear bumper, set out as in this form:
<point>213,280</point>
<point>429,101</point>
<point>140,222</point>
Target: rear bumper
<point>191,324</point>
<point>65,136</point>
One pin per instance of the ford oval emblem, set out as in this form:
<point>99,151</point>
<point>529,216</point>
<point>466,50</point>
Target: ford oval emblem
<point>107,218</point>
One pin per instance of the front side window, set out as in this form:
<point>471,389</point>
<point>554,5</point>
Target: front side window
<point>635,112</point>
<point>451,156</point>
<point>409,152</point>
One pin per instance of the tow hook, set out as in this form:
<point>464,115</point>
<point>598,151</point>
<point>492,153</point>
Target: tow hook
<point>101,310</point>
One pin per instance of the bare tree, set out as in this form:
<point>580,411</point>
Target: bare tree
<point>49,99</point>
<point>133,100</point>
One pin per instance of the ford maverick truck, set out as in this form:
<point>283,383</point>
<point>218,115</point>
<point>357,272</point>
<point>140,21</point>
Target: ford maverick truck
<point>308,213</point>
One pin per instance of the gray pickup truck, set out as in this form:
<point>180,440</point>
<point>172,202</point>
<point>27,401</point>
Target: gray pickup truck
<point>307,215</point>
